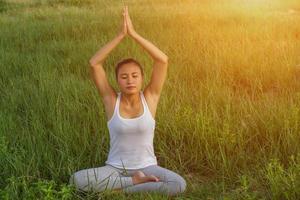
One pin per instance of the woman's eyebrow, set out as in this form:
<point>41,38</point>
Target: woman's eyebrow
<point>127,73</point>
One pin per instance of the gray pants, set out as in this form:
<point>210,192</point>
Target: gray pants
<point>109,177</point>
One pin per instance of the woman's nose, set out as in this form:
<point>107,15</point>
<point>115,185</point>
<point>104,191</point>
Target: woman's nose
<point>129,80</point>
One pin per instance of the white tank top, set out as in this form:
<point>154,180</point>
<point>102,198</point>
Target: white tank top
<point>131,139</point>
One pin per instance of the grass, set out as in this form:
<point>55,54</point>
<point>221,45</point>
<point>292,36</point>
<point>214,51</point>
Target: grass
<point>227,120</point>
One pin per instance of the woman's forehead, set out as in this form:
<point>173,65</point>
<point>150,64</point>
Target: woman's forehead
<point>129,69</point>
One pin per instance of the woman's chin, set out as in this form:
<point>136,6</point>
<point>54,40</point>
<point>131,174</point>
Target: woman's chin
<point>131,91</point>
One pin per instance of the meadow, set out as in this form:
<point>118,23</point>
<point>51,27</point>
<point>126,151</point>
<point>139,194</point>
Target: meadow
<point>228,119</point>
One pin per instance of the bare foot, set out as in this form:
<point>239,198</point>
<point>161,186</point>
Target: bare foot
<point>139,177</point>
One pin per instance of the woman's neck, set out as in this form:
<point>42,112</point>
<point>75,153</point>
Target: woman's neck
<point>130,99</point>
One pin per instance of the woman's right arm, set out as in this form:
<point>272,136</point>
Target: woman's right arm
<point>96,63</point>
<point>101,54</point>
<point>97,70</point>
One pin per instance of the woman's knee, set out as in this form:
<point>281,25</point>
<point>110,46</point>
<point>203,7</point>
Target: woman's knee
<point>80,180</point>
<point>92,179</point>
<point>177,185</point>
<point>174,183</point>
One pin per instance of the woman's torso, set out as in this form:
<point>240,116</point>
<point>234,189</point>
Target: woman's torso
<point>131,139</point>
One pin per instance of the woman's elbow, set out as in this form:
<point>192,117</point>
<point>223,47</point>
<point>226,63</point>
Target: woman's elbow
<point>92,63</point>
<point>164,60</point>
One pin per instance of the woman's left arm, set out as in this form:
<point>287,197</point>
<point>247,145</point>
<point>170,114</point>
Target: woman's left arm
<point>160,65</point>
<point>157,55</point>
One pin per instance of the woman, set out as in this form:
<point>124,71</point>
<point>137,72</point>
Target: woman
<point>131,165</point>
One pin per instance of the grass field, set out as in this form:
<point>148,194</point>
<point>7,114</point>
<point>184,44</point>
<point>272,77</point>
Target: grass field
<point>228,119</point>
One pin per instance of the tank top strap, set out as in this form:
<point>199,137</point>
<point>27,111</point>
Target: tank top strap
<point>118,101</point>
<point>144,102</point>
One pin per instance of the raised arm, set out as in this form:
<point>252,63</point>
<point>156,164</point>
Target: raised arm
<point>159,71</point>
<point>96,64</point>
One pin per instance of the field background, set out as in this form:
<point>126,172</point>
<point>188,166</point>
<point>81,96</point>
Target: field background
<point>228,119</point>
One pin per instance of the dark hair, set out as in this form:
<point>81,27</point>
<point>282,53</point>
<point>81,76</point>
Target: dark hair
<point>125,61</point>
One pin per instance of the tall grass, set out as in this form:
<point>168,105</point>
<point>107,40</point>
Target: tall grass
<point>228,118</point>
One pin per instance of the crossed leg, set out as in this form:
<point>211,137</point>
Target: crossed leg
<point>99,179</point>
<point>109,177</point>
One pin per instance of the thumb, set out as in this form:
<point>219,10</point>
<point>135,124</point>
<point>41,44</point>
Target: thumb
<point>124,17</point>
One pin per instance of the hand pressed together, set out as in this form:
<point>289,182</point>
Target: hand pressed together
<point>127,27</point>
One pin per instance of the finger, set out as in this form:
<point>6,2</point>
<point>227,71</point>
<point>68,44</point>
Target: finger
<point>126,14</point>
<point>124,20</point>
<point>123,17</point>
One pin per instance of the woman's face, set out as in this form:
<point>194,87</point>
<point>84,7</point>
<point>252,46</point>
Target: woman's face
<point>130,79</point>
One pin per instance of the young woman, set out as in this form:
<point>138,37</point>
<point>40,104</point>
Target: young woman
<point>131,165</point>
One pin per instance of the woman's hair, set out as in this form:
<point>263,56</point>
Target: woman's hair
<point>125,61</point>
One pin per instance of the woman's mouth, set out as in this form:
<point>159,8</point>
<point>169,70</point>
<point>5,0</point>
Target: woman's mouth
<point>130,87</point>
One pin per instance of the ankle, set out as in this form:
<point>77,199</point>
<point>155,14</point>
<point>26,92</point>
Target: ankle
<point>134,180</point>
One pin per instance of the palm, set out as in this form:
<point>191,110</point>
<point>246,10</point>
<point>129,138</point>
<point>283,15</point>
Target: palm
<point>130,28</point>
<point>124,29</point>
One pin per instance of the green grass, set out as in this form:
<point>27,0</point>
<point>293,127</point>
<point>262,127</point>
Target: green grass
<point>227,120</point>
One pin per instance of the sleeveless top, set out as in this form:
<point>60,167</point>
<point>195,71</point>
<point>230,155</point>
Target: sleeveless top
<point>131,139</point>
